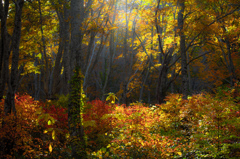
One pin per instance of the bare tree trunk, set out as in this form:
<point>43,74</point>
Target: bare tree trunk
<point>66,54</point>
<point>231,65</point>
<point>9,105</point>
<point>183,50</point>
<point>88,67</point>
<point>47,69</point>
<point>37,82</point>
<point>112,51</point>
<point>13,81</point>
<point>63,50</point>
<point>189,74</point>
<point>144,81</point>
<point>165,58</point>
<point>5,42</point>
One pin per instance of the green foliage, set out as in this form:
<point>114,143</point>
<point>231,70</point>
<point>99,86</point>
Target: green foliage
<point>76,105</point>
<point>98,125</point>
<point>229,93</point>
<point>62,101</point>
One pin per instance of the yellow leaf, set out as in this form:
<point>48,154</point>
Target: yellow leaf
<point>179,153</point>
<point>50,148</point>
<point>45,131</point>
<point>67,136</point>
<point>53,135</point>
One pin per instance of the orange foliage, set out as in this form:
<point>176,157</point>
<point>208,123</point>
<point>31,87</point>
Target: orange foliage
<point>21,131</point>
<point>100,127</point>
<point>197,127</point>
<point>29,133</point>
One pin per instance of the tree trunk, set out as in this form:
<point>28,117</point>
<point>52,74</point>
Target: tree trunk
<point>66,54</point>
<point>144,81</point>
<point>112,51</point>
<point>9,105</point>
<point>13,81</point>
<point>56,83</point>
<point>183,50</point>
<point>5,42</point>
<point>75,107</point>
<point>189,74</point>
<point>44,52</point>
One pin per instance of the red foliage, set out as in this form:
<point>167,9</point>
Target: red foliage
<point>98,109</point>
<point>59,114</point>
<point>21,132</point>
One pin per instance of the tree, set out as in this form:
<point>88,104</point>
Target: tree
<point>78,12</point>
<point>183,50</point>
<point>60,82</point>
<point>13,49</point>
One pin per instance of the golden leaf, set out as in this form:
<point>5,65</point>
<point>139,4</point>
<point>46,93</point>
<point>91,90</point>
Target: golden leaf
<point>50,148</point>
<point>53,135</point>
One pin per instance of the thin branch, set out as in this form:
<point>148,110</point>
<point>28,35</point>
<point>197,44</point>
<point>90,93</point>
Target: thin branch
<point>219,18</point>
<point>158,32</point>
<point>146,52</point>
<point>207,52</point>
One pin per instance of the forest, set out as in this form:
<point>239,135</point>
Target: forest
<point>99,79</point>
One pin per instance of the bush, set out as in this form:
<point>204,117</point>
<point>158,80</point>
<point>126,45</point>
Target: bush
<point>200,127</point>
<point>35,131</point>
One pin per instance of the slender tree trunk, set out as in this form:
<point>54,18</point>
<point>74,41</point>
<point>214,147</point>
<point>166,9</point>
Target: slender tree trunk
<point>5,42</point>
<point>37,81</point>
<point>189,74</point>
<point>9,105</point>
<point>125,53</point>
<point>13,81</point>
<point>183,50</point>
<point>144,81</point>
<point>66,54</point>
<point>112,51</point>
<point>88,67</point>
<point>60,79</point>
<point>58,67</point>
<point>231,65</point>
<point>47,69</point>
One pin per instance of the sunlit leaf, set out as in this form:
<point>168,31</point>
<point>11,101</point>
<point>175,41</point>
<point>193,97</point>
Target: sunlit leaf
<point>53,135</point>
<point>50,147</point>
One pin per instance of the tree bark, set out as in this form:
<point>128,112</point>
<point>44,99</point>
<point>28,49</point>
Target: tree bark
<point>183,50</point>
<point>66,53</point>
<point>5,47</point>
<point>78,12</point>
<point>13,80</point>
<point>9,105</point>
<point>60,81</point>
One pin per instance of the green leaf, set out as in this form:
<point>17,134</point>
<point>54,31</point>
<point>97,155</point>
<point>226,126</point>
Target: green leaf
<point>39,56</point>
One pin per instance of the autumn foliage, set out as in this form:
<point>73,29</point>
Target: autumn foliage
<point>203,126</point>
<point>21,131</point>
<point>34,131</point>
